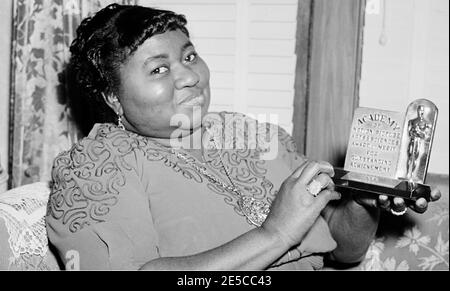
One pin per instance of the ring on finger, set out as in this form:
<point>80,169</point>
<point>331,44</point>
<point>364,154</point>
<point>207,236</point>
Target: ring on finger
<point>314,187</point>
<point>399,213</point>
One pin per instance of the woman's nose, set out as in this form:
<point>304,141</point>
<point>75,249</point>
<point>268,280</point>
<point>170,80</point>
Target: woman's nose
<point>186,77</point>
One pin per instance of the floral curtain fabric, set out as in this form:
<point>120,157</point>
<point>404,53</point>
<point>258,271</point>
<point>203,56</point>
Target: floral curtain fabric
<point>43,31</point>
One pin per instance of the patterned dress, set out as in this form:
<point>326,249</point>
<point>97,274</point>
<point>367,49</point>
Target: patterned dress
<point>120,200</point>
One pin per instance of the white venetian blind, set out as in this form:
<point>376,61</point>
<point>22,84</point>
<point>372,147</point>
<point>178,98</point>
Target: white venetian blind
<point>249,46</point>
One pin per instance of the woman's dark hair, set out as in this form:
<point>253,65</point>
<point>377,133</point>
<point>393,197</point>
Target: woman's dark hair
<point>103,43</point>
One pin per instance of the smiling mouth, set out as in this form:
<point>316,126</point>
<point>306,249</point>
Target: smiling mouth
<point>196,101</point>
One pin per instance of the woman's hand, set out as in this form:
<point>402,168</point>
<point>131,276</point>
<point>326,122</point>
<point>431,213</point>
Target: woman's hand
<point>295,210</point>
<point>398,205</point>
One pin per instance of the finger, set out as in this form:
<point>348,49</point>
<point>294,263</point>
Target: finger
<point>421,205</point>
<point>313,169</point>
<point>367,201</point>
<point>384,202</point>
<point>328,165</point>
<point>326,196</point>
<point>326,181</point>
<point>296,174</point>
<point>399,204</point>
<point>435,194</point>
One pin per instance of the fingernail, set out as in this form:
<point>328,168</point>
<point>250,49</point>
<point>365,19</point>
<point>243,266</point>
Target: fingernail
<point>422,204</point>
<point>398,201</point>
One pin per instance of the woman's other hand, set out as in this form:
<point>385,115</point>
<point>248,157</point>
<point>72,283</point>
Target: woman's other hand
<point>397,204</point>
<point>295,209</point>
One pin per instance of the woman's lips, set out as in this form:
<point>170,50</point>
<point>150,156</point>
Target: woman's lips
<point>196,101</point>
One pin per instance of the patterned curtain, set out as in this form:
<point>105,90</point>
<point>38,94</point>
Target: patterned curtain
<point>42,123</point>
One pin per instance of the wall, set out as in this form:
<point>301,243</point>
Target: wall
<point>5,47</point>
<point>249,46</point>
<point>413,64</point>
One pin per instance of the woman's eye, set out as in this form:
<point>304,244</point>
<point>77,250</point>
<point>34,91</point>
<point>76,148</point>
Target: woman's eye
<point>191,57</point>
<point>160,70</point>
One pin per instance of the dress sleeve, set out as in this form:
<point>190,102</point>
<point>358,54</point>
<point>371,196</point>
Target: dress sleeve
<point>98,214</point>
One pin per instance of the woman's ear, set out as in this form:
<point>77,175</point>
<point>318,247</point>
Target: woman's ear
<point>113,102</point>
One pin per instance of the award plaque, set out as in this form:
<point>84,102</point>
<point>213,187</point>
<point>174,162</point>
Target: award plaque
<point>388,152</point>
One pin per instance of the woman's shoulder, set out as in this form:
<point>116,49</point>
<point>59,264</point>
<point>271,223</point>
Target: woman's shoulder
<point>103,139</point>
<point>92,174</point>
<point>106,155</point>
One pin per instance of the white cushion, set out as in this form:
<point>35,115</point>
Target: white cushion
<point>23,236</point>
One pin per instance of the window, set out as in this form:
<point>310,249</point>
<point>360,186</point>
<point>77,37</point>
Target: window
<point>249,46</point>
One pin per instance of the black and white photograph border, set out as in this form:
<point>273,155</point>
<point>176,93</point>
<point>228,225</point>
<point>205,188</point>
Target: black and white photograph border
<point>206,134</point>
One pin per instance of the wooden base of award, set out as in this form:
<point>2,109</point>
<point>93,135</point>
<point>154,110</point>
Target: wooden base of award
<point>351,183</point>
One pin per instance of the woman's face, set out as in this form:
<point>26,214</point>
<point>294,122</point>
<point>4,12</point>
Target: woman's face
<point>163,78</point>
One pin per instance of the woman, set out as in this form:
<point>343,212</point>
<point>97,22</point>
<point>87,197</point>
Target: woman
<point>129,197</point>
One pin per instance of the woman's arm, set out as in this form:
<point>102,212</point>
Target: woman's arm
<point>254,250</point>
